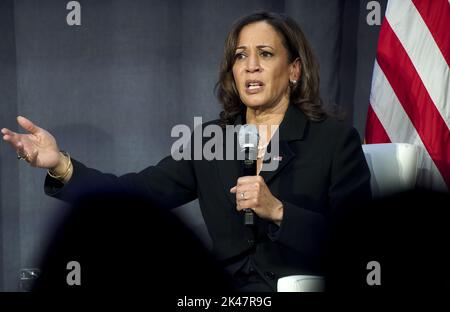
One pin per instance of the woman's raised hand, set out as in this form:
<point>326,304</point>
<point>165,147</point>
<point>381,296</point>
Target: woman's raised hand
<point>37,147</point>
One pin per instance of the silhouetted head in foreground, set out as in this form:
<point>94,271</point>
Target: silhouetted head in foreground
<point>123,243</point>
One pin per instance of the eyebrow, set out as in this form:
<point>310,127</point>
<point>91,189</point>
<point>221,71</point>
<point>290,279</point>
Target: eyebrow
<point>259,47</point>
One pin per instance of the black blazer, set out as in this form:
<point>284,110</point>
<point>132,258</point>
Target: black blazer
<point>321,166</point>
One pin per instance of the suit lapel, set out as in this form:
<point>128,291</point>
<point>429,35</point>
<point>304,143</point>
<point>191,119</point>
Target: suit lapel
<point>292,128</point>
<point>285,156</point>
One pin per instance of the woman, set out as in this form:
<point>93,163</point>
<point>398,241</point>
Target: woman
<point>268,77</point>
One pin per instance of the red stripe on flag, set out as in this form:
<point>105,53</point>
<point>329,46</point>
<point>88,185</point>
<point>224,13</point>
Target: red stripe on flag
<point>413,96</point>
<point>375,132</point>
<point>436,15</point>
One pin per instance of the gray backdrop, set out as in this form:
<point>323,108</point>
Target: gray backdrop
<point>111,89</point>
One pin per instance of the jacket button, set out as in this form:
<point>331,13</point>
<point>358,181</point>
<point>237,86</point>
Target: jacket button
<point>270,275</point>
<point>251,242</point>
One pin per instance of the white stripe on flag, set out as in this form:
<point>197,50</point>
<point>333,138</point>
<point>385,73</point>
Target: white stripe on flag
<point>399,128</point>
<point>426,57</point>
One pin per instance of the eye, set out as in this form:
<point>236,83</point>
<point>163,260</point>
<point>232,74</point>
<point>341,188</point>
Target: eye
<point>239,56</point>
<point>266,54</point>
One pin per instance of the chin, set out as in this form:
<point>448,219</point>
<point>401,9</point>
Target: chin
<point>254,103</point>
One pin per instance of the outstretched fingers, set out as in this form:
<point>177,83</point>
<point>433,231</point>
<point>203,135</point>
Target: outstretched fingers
<point>10,136</point>
<point>27,124</point>
<point>6,131</point>
<point>14,139</point>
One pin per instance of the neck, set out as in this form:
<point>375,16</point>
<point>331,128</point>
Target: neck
<point>267,120</point>
<point>266,116</point>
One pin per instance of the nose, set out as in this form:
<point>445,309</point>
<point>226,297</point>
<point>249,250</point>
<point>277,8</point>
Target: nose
<point>253,64</point>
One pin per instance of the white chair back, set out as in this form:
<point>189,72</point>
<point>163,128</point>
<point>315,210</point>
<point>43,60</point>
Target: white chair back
<point>301,283</point>
<point>393,167</point>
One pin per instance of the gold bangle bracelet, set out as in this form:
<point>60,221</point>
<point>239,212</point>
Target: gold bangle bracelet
<point>66,171</point>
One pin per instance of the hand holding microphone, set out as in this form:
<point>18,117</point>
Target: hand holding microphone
<point>252,194</point>
<point>257,198</point>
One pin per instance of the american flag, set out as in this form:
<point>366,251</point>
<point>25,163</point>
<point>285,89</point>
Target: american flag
<point>410,95</point>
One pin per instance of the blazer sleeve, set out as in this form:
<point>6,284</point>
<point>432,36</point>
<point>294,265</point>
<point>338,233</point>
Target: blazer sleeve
<point>305,230</point>
<point>170,183</point>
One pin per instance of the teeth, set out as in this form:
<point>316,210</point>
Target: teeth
<point>254,84</point>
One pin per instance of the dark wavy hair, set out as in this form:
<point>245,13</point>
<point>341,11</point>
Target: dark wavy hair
<point>305,94</point>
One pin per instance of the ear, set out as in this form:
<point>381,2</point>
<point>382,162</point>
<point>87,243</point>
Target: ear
<point>296,69</point>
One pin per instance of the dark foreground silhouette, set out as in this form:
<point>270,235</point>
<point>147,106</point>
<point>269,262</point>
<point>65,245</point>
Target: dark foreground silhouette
<point>123,243</point>
<point>408,234</point>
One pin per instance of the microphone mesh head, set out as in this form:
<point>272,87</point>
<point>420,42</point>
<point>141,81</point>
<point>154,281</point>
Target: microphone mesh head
<point>248,137</point>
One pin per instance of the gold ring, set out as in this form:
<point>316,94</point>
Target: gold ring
<point>20,157</point>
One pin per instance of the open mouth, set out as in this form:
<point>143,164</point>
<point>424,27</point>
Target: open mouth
<point>253,86</point>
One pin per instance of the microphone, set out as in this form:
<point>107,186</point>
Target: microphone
<point>248,143</point>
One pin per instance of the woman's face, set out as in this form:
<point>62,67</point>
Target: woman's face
<point>261,69</point>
